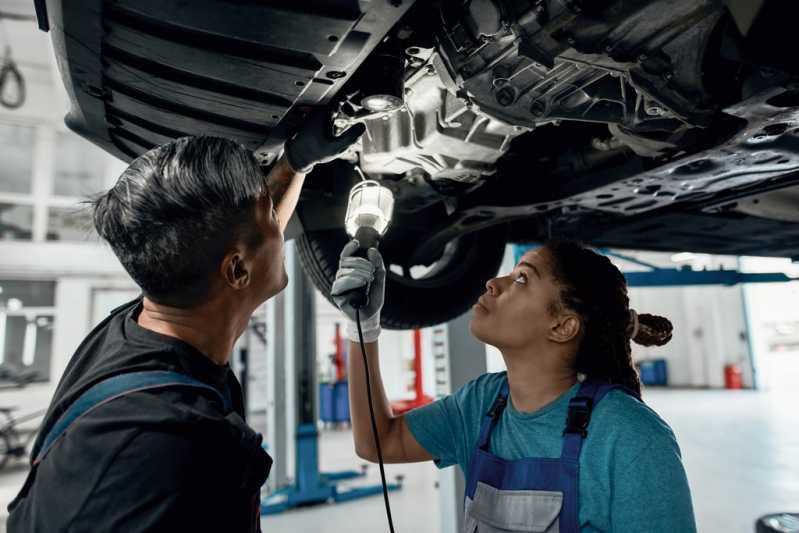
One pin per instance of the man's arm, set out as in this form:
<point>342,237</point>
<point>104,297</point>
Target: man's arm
<point>313,143</point>
<point>285,185</point>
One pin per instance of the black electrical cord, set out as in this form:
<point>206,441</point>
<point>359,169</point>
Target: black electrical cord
<point>374,424</point>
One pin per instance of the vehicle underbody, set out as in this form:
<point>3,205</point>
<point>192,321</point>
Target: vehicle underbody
<point>666,125</point>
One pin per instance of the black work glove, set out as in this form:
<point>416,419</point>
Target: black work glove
<point>315,143</point>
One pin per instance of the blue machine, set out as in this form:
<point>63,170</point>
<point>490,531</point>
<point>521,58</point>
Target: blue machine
<point>312,486</point>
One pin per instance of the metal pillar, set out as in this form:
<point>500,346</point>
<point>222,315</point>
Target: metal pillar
<point>310,486</point>
<point>466,360</point>
<point>279,402</point>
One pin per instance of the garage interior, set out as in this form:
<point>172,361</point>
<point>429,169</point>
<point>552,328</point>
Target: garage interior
<point>726,383</point>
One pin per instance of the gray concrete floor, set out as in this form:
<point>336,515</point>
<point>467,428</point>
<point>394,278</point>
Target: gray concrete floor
<point>741,452</point>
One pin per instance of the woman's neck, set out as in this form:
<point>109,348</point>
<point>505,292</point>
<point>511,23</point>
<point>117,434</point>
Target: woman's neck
<point>536,381</point>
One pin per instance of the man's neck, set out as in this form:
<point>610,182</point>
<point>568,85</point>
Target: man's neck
<point>537,377</point>
<point>212,328</point>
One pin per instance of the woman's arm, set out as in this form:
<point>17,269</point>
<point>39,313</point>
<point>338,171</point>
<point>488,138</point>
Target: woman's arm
<point>396,441</point>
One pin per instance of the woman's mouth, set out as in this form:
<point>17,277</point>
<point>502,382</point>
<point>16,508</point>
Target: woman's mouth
<point>480,305</point>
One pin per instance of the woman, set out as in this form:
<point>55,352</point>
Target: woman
<point>541,450</point>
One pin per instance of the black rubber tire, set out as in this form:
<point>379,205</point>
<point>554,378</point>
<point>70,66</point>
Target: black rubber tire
<point>416,304</point>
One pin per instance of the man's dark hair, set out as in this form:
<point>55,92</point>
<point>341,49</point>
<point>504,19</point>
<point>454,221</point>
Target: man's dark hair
<point>175,212</point>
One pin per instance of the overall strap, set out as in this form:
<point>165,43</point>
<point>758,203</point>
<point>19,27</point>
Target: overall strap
<point>116,387</point>
<point>579,416</point>
<point>492,416</point>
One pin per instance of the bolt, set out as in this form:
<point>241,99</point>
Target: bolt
<point>430,70</point>
<point>506,96</point>
<point>667,76</point>
<point>336,74</point>
<point>654,111</point>
<point>572,41</point>
<point>95,91</point>
<point>642,58</point>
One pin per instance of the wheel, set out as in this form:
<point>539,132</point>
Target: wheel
<point>419,296</point>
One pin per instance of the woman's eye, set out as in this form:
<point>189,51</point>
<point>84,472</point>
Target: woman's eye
<point>521,278</point>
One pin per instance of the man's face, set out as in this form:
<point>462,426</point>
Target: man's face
<point>269,271</point>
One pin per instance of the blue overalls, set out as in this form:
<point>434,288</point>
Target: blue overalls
<point>532,494</point>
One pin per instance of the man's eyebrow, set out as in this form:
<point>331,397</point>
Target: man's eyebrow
<point>532,267</point>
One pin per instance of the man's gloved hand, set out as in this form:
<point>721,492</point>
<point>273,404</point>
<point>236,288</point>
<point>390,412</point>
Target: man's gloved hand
<point>356,272</point>
<point>315,143</point>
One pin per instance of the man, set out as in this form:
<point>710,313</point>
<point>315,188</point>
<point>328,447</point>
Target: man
<point>194,224</point>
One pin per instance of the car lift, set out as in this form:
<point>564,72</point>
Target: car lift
<point>658,276</point>
<point>310,486</point>
<point>420,398</point>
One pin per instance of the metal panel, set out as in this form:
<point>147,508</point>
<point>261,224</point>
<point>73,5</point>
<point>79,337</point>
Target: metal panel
<point>273,74</point>
<point>244,109</point>
<point>191,125</point>
<point>276,27</point>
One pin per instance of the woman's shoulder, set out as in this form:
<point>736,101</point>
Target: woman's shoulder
<point>620,412</point>
<point>481,390</point>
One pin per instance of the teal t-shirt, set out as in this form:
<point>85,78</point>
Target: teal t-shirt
<point>631,474</point>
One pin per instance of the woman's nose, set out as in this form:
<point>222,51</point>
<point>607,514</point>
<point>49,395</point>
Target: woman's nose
<point>492,287</point>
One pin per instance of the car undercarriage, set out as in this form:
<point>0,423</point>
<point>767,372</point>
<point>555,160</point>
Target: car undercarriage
<point>657,125</point>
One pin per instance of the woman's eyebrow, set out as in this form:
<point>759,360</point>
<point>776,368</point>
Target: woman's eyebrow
<point>531,267</point>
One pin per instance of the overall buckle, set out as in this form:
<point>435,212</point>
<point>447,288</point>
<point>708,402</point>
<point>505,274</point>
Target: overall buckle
<point>497,407</point>
<point>579,415</point>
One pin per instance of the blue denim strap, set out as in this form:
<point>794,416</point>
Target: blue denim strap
<point>116,387</point>
<point>492,416</point>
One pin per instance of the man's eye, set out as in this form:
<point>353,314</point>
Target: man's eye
<point>521,279</point>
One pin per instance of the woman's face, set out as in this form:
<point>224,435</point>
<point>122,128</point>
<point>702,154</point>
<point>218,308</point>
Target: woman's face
<point>516,309</point>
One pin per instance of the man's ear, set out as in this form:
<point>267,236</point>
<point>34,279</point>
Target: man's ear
<point>565,327</point>
<point>235,270</point>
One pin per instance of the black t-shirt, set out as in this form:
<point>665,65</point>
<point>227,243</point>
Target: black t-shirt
<point>162,460</point>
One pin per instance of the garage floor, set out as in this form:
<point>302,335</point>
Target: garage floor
<point>741,451</point>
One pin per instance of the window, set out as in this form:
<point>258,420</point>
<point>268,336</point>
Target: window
<point>27,311</point>
<point>80,167</point>
<point>16,222</point>
<point>41,197</point>
<point>71,224</point>
<point>16,154</point>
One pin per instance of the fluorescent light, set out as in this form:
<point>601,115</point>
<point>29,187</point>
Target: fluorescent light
<point>683,257</point>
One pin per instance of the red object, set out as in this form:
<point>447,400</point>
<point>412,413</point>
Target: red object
<point>403,406</point>
<point>733,377</point>
<point>338,360</point>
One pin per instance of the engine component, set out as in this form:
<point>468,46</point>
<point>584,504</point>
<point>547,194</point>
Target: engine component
<point>383,88</point>
<point>436,131</point>
<point>534,63</point>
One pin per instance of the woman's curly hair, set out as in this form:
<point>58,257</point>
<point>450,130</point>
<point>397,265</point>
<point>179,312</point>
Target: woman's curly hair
<point>595,289</point>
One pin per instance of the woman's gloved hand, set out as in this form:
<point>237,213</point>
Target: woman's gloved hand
<point>315,143</point>
<point>355,273</point>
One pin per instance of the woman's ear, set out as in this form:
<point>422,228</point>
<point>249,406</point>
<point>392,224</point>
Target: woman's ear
<point>565,328</point>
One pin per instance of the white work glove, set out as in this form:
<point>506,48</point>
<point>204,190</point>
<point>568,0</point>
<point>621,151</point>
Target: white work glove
<point>353,273</point>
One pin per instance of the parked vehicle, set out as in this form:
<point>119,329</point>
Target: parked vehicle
<point>645,124</point>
